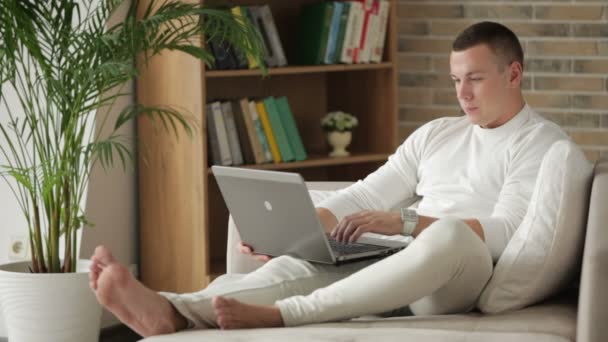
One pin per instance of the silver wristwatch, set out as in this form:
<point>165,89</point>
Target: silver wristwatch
<point>410,221</point>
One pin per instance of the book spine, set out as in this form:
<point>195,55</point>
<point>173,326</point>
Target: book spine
<point>270,57</point>
<point>222,136</point>
<point>373,30</point>
<point>214,144</point>
<point>233,137</point>
<point>335,57</point>
<point>274,149</point>
<point>254,140</point>
<point>260,131</point>
<point>278,130</point>
<point>379,49</point>
<point>353,34</point>
<point>334,27</point>
<point>241,59</point>
<point>273,35</point>
<point>289,122</point>
<point>327,15</point>
<point>246,15</point>
<point>367,10</point>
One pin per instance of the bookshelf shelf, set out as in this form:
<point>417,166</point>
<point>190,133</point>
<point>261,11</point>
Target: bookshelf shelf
<point>302,69</point>
<point>320,161</point>
<point>183,218</point>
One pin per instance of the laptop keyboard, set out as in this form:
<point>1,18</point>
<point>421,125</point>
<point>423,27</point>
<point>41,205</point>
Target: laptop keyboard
<point>352,248</point>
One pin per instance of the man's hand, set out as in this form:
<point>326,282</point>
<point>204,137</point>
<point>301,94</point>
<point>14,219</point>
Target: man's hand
<point>353,226</point>
<point>246,249</point>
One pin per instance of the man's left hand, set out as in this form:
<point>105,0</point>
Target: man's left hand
<point>353,226</point>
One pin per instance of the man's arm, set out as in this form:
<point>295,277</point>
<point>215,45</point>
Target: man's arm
<point>353,226</point>
<point>328,219</point>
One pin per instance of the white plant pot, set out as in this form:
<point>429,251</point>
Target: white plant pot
<point>339,141</point>
<point>55,307</point>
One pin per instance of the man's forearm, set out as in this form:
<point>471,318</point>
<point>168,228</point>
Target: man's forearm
<point>328,219</point>
<point>425,221</point>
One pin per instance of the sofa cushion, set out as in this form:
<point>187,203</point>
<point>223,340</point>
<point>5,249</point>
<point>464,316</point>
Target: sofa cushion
<point>551,321</point>
<point>545,251</point>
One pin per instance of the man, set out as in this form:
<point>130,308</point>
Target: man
<point>475,174</point>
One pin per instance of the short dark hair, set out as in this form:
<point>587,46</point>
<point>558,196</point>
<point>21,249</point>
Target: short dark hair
<point>502,41</point>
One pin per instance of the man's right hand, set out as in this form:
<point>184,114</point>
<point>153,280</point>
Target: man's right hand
<point>246,249</point>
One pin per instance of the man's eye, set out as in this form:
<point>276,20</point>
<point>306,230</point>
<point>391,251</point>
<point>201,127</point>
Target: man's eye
<point>476,79</point>
<point>455,81</point>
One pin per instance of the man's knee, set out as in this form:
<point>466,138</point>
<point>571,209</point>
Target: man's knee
<point>453,237</point>
<point>449,229</point>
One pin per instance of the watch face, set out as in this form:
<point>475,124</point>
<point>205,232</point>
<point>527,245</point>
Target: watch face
<point>409,215</point>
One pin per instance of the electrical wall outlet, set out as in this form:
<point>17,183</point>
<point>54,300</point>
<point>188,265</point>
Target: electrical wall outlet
<point>18,248</point>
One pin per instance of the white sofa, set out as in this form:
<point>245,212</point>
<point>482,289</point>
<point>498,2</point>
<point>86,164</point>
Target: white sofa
<point>579,314</point>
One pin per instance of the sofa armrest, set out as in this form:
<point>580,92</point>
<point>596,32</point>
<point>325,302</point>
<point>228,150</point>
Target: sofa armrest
<point>593,299</point>
<point>239,263</point>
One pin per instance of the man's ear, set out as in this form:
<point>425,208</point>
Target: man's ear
<point>516,74</point>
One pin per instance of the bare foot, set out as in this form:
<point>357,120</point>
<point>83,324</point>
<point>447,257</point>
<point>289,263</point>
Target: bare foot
<point>143,310</point>
<point>232,314</point>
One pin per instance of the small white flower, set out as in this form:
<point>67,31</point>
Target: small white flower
<point>339,121</point>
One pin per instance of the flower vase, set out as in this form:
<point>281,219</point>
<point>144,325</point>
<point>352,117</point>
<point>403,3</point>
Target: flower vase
<point>339,141</point>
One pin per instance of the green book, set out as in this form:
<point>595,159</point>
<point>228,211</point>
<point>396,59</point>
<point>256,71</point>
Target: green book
<point>289,123</point>
<point>277,129</point>
<point>313,32</point>
<point>335,56</point>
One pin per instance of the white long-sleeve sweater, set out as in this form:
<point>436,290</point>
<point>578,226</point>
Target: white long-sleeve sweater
<point>462,170</point>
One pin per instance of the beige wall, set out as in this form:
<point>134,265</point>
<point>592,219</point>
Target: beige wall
<point>566,68</point>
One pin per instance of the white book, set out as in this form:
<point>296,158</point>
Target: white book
<point>354,26</point>
<point>273,35</point>
<point>222,135</point>
<point>256,14</point>
<point>233,134</point>
<point>371,36</point>
<point>379,48</point>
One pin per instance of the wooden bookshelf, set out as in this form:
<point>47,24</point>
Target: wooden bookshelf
<point>302,69</point>
<point>183,219</point>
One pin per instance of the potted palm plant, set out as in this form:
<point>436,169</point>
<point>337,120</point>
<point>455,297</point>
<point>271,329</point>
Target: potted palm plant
<point>61,59</point>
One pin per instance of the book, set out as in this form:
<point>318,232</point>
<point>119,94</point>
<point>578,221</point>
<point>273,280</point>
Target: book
<point>256,17</point>
<point>278,131</point>
<point>250,142</point>
<point>220,133</point>
<point>215,157</point>
<point>373,30</point>
<point>367,11</point>
<point>232,133</point>
<point>253,110</point>
<point>264,15</point>
<point>337,52</point>
<point>383,15</point>
<point>289,123</point>
<point>241,59</point>
<point>332,36</point>
<point>272,143</point>
<point>246,15</point>
<point>354,24</point>
<point>312,33</point>
<point>223,55</point>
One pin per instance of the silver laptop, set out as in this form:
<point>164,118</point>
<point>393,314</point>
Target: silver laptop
<point>275,216</point>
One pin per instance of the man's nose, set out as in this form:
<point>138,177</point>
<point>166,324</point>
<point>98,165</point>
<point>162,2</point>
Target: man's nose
<point>464,92</point>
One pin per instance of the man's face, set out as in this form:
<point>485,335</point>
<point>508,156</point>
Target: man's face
<point>483,87</point>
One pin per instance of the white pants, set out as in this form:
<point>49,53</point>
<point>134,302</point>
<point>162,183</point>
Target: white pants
<point>442,271</point>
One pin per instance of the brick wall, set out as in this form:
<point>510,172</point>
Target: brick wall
<point>566,69</point>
